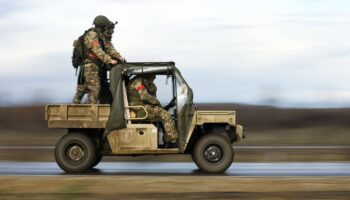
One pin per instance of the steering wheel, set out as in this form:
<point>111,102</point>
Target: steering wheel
<point>171,104</point>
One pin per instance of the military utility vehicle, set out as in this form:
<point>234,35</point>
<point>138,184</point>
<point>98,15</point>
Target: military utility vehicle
<point>207,135</point>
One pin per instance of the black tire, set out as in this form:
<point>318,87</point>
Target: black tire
<point>75,153</point>
<point>97,160</point>
<point>213,153</point>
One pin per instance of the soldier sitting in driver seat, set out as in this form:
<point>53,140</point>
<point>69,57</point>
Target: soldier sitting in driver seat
<point>142,92</point>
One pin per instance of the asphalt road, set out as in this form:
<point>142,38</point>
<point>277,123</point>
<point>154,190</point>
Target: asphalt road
<point>246,147</point>
<point>183,168</point>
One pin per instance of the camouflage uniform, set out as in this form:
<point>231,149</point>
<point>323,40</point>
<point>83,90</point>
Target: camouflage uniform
<point>142,92</point>
<point>96,58</point>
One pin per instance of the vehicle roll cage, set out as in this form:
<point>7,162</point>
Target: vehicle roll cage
<point>161,68</point>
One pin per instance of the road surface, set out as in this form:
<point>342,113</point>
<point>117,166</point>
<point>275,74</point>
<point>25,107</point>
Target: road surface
<point>184,168</point>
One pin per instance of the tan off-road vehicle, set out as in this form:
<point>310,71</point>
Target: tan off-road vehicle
<point>207,135</point>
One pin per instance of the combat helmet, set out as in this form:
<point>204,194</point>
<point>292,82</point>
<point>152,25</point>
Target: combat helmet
<point>112,24</point>
<point>101,21</point>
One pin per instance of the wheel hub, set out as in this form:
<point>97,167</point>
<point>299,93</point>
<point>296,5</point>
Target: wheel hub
<point>213,153</point>
<point>76,153</point>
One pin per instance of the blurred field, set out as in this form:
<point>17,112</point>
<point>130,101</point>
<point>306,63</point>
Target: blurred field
<point>25,126</point>
<point>173,187</point>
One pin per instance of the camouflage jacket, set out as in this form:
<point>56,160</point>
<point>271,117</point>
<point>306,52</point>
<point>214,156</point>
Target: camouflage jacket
<point>142,91</point>
<point>91,40</point>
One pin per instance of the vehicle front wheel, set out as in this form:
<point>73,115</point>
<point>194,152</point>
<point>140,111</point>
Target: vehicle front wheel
<point>75,153</point>
<point>213,153</point>
<point>97,161</point>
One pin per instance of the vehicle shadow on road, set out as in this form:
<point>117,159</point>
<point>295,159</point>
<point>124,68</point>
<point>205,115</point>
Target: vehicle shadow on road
<point>97,172</point>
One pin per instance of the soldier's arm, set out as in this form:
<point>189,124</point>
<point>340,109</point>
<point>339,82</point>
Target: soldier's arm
<point>111,51</point>
<point>144,95</point>
<point>154,88</point>
<point>92,43</point>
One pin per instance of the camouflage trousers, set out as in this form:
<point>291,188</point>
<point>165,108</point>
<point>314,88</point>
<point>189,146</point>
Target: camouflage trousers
<point>158,113</point>
<point>91,85</point>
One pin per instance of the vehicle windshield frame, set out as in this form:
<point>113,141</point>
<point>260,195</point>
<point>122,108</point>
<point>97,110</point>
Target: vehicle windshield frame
<point>185,107</point>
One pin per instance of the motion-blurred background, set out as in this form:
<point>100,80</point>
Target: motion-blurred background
<point>283,65</point>
<point>273,134</point>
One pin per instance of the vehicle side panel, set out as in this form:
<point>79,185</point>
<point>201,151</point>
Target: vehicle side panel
<point>136,137</point>
<point>216,117</point>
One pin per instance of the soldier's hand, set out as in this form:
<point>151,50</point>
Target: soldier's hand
<point>113,62</point>
<point>121,58</point>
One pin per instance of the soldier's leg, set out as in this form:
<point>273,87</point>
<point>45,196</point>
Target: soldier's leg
<point>171,134</point>
<point>92,82</point>
<point>152,115</point>
<point>81,90</point>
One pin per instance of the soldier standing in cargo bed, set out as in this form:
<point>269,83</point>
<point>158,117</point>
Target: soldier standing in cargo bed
<point>100,51</point>
<point>142,92</point>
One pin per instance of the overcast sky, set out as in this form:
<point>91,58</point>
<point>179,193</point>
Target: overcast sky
<point>282,52</point>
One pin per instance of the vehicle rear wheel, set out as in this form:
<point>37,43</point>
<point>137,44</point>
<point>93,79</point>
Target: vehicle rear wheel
<point>213,153</point>
<point>75,153</point>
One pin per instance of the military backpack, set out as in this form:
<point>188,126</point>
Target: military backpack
<point>79,51</point>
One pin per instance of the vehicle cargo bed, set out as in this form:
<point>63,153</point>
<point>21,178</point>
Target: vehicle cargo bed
<point>77,115</point>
